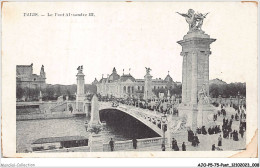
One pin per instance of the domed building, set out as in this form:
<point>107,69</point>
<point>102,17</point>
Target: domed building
<point>168,78</point>
<point>114,76</point>
<point>127,86</point>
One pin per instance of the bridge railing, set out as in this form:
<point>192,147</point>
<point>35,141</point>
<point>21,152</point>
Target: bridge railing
<point>119,145</point>
<point>141,143</point>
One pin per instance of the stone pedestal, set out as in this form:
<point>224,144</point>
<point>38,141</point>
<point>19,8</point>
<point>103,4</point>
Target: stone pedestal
<point>205,114</point>
<point>95,127</point>
<point>189,112</point>
<point>96,142</point>
<point>168,133</point>
<point>195,73</point>
<point>94,120</point>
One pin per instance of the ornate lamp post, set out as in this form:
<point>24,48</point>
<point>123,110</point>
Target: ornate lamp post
<point>238,96</point>
<point>164,120</point>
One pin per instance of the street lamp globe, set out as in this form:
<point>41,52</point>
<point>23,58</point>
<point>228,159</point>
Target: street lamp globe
<point>164,118</point>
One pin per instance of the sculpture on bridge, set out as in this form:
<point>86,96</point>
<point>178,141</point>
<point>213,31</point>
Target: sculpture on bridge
<point>178,125</point>
<point>195,20</point>
<point>202,96</point>
<point>80,69</point>
<point>148,70</point>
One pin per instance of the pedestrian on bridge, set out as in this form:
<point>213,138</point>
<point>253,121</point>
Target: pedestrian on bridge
<point>183,146</point>
<point>163,147</point>
<point>111,144</point>
<point>220,140</point>
<point>213,147</point>
<point>134,143</point>
<point>174,144</point>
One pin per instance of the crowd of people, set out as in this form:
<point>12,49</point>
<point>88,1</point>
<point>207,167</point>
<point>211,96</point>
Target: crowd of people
<point>168,106</point>
<point>193,138</point>
<point>211,130</point>
<point>175,146</point>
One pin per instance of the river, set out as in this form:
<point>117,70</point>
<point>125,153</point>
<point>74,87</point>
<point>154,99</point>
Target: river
<point>119,127</point>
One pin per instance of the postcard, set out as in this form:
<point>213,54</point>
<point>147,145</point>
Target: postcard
<point>129,79</point>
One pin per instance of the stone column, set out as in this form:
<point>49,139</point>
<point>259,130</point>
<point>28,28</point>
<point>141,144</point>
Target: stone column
<point>184,78</point>
<point>206,71</point>
<point>80,89</point>
<point>195,74</point>
<point>194,77</point>
<point>148,86</point>
<point>80,84</point>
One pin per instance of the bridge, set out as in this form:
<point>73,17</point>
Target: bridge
<point>152,119</point>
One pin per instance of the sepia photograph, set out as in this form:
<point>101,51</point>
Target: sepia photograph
<point>129,79</point>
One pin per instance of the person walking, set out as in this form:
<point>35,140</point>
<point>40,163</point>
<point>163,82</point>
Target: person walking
<point>219,140</point>
<point>213,147</point>
<point>173,143</point>
<point>242,132</point>
<point>163,147</point>
<point>196,138</point>
<point>111,144</point>
<point>134,143</point>
<point>183,146</point>
<point>176,148</point>
<point>195,141</point>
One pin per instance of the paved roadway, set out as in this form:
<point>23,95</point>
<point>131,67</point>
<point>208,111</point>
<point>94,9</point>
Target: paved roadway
<point>206,141</point>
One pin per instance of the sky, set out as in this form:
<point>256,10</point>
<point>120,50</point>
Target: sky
<point>128,36</point>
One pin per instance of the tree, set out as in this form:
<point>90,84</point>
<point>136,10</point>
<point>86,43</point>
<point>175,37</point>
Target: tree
<point>68,92</point>
<point>19,92</point>
<point>227,90</point>
<point>160,90</point>
<point>58,91</point>
<point>214,90</point>
<point>176,90</point>
<point>34,93</point>
<point>49,95</point>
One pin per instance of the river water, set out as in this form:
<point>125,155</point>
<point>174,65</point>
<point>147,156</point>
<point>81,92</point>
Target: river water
<point>119,127</point>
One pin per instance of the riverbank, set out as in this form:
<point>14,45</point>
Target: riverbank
<point>42,116</point>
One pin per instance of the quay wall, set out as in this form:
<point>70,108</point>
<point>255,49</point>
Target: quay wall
<point>55,115</point>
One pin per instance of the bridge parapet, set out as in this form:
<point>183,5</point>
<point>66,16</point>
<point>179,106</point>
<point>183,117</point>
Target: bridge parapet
<point>128,144</point>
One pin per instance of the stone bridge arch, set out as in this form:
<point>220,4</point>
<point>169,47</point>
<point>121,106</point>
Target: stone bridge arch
<point>143,118</point>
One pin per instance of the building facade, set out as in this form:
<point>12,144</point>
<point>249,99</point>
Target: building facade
<point>26,78</point>
<point>127,86</point>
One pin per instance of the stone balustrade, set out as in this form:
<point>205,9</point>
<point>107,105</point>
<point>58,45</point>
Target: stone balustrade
<point>141,143</point>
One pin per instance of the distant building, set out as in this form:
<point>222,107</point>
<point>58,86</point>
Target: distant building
<point>26,78</point>
<point>95,82</point>
<point>178,83</point>
<point>217,82</point>
<point>127,86</point>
